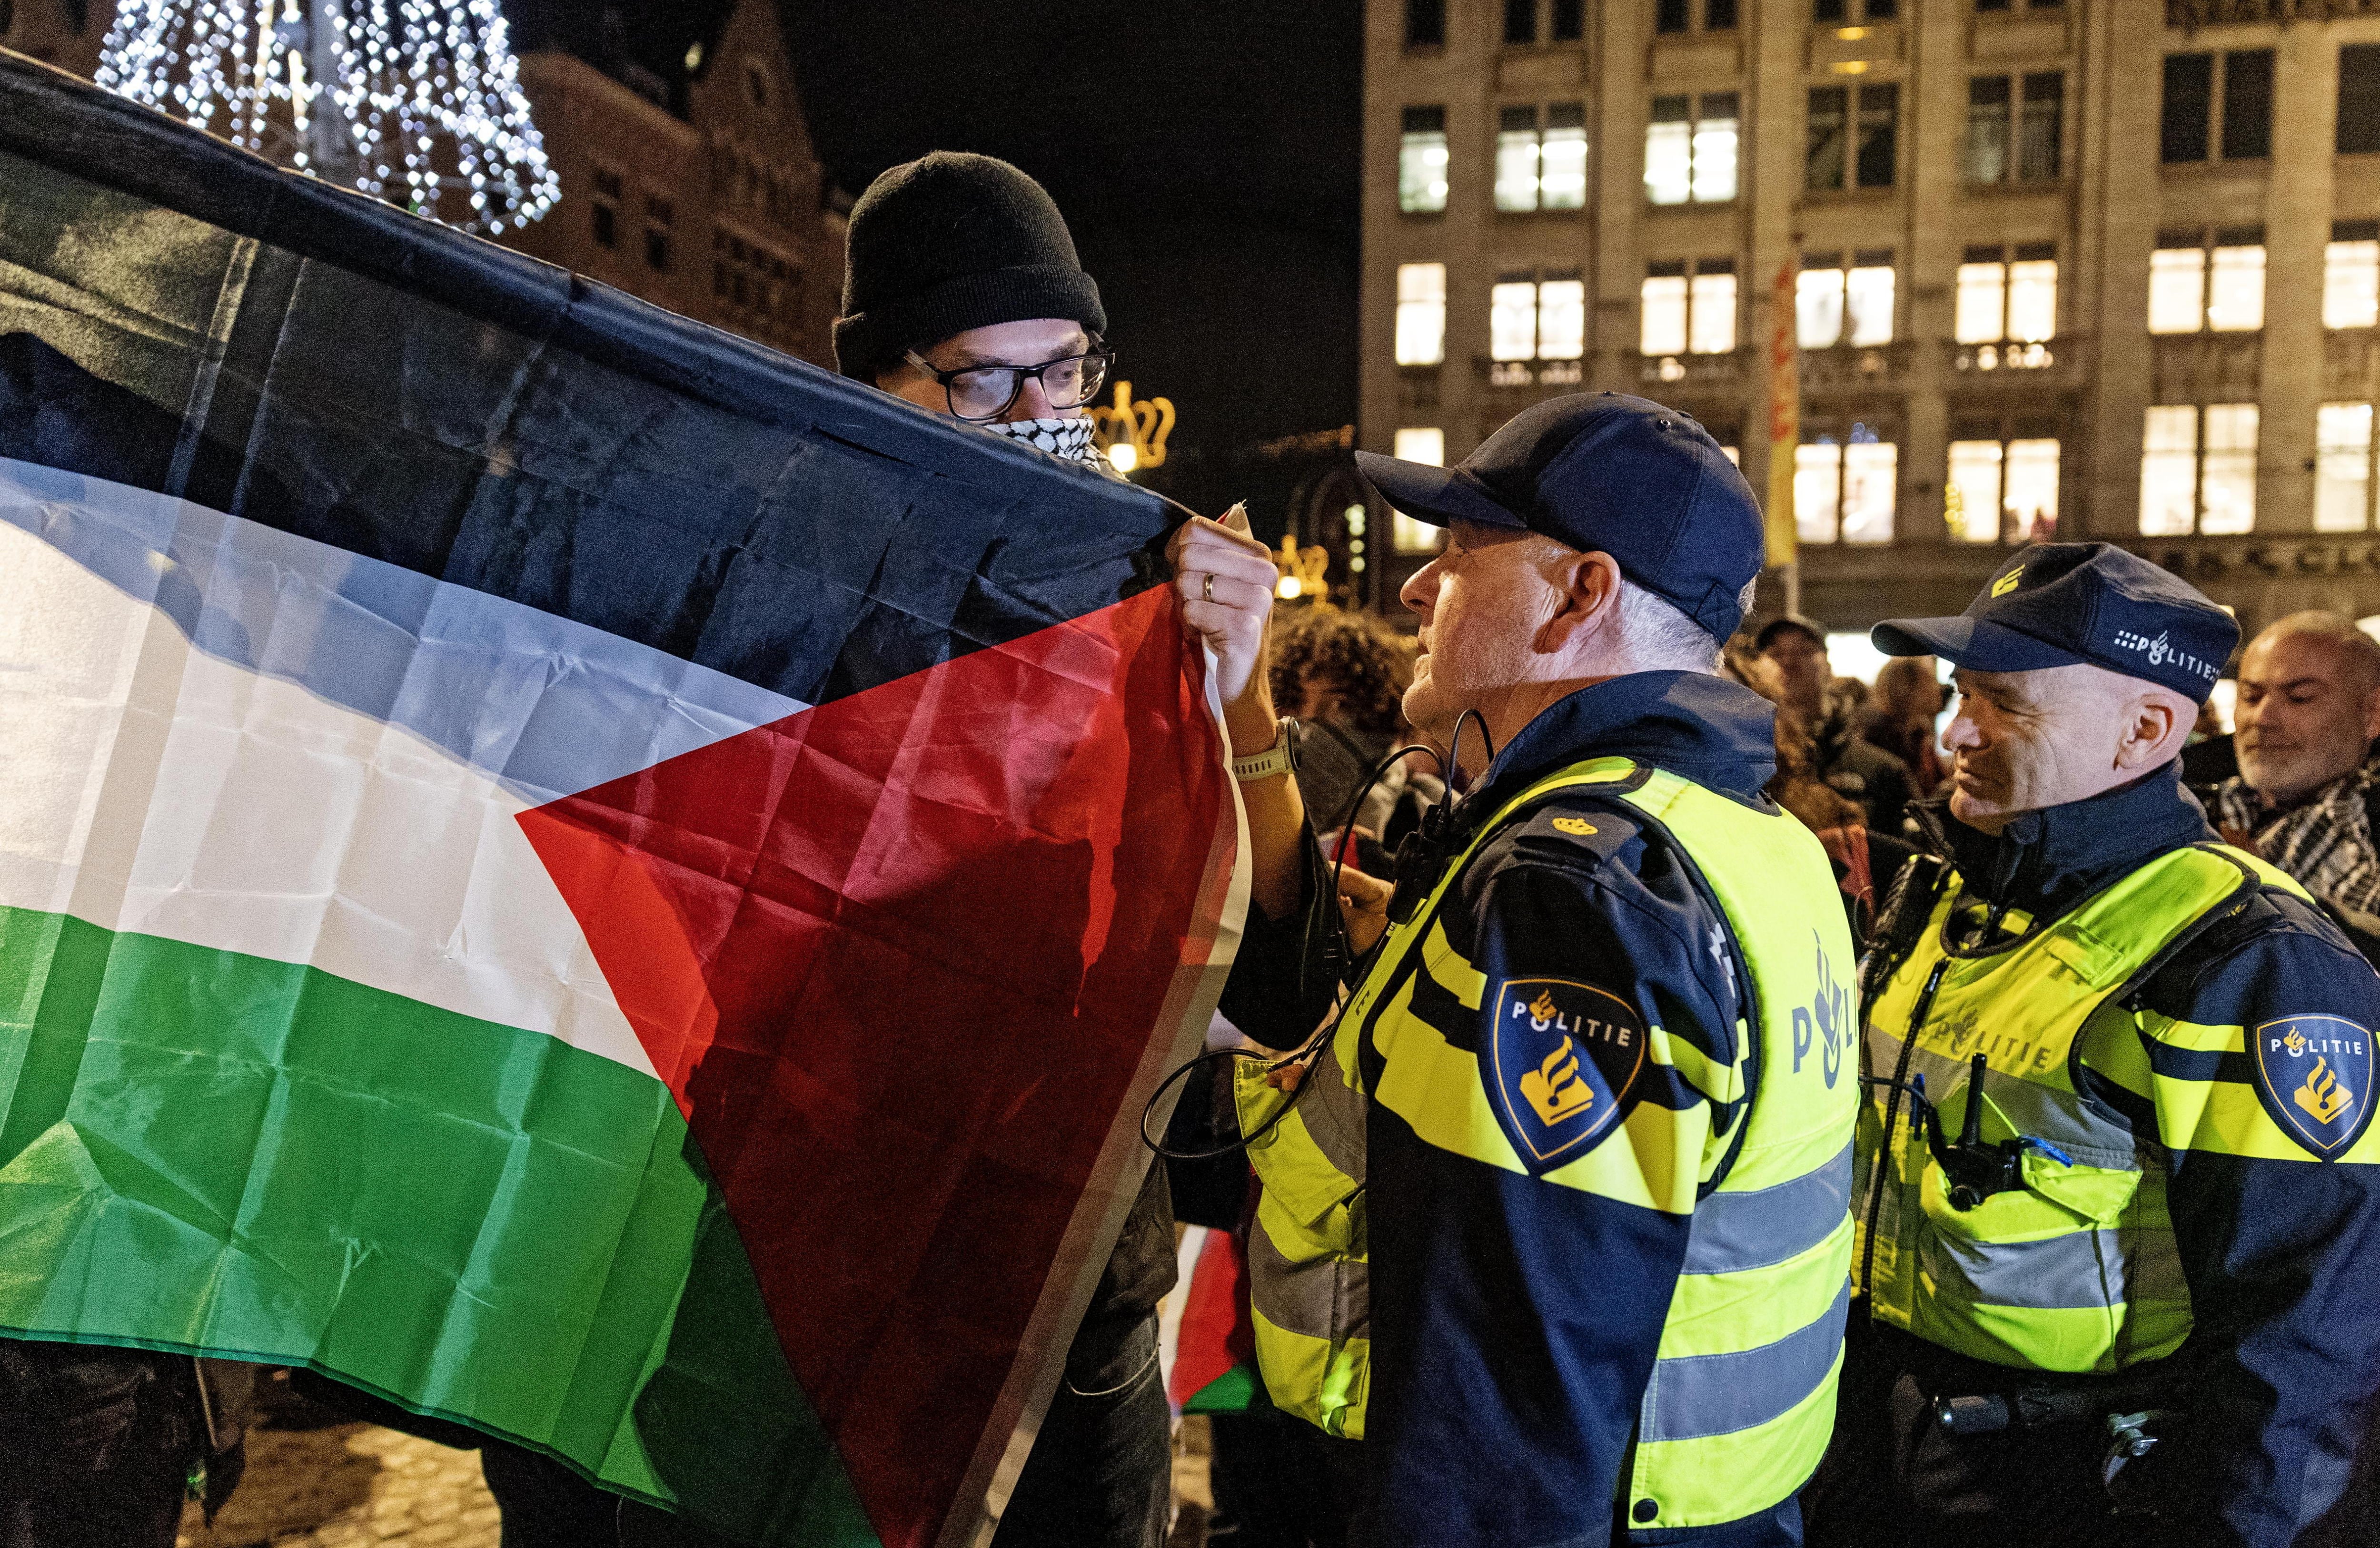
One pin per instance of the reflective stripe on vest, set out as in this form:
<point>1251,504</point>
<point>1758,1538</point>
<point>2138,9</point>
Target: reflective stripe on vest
<point>1308,1278</point>
<point>1741,1402</point>
<point>2077,1270</point>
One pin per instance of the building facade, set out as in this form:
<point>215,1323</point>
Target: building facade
<point>690,182</point>
<point>2095,269</point>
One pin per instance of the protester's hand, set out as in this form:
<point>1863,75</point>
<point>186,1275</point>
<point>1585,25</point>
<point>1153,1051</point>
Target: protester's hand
<point>1224,579</point>
<point>1363,903</point>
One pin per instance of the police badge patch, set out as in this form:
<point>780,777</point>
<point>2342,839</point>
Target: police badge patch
<point>1559,1060</point>
<point>2313,1074</point>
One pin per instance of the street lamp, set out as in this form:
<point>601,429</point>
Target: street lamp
<point>1302,571</point>
<point>1132,434</point>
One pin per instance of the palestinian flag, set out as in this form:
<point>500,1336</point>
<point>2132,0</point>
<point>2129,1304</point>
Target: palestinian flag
<point>557,865</point>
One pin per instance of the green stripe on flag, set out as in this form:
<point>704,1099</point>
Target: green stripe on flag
<point>206,1151</point>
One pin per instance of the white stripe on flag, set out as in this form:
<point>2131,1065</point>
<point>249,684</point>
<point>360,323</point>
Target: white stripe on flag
<point>184,793</point>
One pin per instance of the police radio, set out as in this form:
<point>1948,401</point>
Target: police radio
<point>1971,1170</point>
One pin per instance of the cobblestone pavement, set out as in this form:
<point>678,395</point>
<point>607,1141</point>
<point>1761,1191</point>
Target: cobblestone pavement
<point>360,1486</point>
<point>348,1485</point>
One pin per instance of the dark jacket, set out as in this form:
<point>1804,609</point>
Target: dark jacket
<point>2281,1246</point>
<point>1864,772</point>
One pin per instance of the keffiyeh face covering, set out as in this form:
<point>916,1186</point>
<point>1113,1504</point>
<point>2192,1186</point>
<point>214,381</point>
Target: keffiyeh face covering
<point>1070,439</point>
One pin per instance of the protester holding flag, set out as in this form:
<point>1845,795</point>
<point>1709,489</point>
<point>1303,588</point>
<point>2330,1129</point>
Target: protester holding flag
<point>549,852</point>
<point>963,295</point>
<point>1604,1035</point>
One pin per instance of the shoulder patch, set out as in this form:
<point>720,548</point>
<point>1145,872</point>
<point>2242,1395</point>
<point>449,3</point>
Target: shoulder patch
<point>1571,833</point>
<point>1559,1064</point>
<point>2313,1075</point>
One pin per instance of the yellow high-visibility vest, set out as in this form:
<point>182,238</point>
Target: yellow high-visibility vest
<point>1741,1399</point>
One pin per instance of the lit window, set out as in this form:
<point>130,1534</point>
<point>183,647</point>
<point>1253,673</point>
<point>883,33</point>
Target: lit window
<point>1561,319</point>
<point>1818,492</point>
<point>1421,314</point>
<point>2177,290</point>
<point>1867,298</point>
<point>1845,493</point>
<point>1516,159</point>
<point>1870,472</point>
<point>1712,319</point>
<point>1972,505</point>
<point>2002,492</point>
<point>2235,291</point>
<point>1982,302</point>
<point>1715,147</point>
<point>2031,500</point>
<point>2032,298</point>
<point>1545,170</point>
<point>2016,301</point>
<point>1512,320</point>
<point>2226,496</point>
<point>1818,302</point>
<point>1669,153</point>
<point>2198,470</point>
<point>1831,307</point>
<point>1663,329</point>
<point>2169,472</point>
<point>2342,486</point>
<point>1427,445</point>
<point>1561,163</point>
<point>1422,162</point>
<point>1691,149</point>
<point>2350,275</point>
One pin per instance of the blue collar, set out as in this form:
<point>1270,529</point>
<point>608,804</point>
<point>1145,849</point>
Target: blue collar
<point>1710,730</point>
<point>2046,860</point>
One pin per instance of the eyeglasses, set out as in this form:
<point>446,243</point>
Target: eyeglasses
<point>982,393</point>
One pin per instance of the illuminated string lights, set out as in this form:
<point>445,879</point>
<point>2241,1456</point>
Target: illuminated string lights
<point>414,100</point>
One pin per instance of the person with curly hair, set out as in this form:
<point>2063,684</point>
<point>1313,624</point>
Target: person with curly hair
<point>1342,675</point>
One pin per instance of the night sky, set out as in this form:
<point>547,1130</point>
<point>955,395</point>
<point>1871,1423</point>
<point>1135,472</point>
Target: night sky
<point>1206,156</point>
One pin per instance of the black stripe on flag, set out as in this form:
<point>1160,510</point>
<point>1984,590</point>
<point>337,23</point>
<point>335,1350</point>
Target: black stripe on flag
<point>320,363</point>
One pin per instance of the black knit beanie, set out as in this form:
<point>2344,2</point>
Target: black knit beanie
<point>949,242</point>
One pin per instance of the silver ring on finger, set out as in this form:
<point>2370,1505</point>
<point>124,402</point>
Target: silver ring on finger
<point>1206,592</point>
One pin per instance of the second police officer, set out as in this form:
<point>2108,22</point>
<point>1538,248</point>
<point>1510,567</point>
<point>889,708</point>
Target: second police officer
<point>2117,1199</point>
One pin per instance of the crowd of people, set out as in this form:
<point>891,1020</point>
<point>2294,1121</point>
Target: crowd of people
<point>1698,1102</point>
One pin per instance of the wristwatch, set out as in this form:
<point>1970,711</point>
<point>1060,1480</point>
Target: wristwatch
<point>1279,758</point>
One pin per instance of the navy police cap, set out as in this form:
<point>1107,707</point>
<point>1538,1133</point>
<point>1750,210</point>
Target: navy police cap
<point>2060,604</point>
<point>1604,471</point>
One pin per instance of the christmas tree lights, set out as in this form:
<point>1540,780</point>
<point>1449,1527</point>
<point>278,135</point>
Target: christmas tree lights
<point>414,100</point>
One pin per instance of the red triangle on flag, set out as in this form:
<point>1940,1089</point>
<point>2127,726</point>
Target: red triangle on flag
<point>899,957</point>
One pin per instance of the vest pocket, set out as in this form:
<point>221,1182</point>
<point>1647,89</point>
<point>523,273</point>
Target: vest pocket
<point>2033,1276</point>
